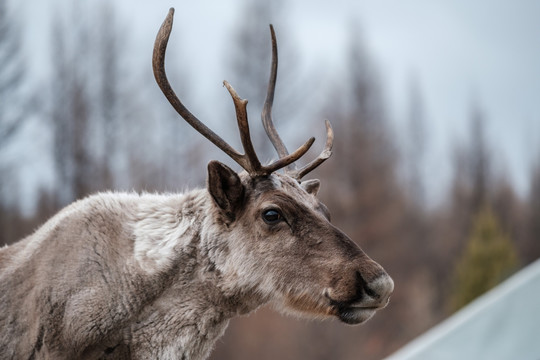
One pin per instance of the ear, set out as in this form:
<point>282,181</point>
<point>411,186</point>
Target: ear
<point>311,186</point>
<point>225,187</point>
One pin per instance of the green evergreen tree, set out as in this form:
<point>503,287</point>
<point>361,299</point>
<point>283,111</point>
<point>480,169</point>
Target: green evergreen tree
<point>488,259</point>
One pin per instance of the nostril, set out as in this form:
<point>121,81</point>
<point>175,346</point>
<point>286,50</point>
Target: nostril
<point>371,293</point>
<point>378,289</point>
<point>365,287</point>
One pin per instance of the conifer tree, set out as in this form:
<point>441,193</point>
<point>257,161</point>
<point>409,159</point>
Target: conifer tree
<point>488,259</point>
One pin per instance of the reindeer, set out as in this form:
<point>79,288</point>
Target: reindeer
<point>145,276</point>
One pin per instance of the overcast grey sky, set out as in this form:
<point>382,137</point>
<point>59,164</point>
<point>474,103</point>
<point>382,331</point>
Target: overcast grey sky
<point>460,52</point>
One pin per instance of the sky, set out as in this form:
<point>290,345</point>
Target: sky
<point>460,53</point>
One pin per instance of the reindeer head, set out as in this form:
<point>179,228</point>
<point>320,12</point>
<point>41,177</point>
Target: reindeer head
<point>280,238</point>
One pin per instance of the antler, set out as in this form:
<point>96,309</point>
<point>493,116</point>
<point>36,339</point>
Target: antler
<point>158,65</point>
<point>271,131</point>
<point>323,156</point>
<point>249,160</point>
<point>266,114</point>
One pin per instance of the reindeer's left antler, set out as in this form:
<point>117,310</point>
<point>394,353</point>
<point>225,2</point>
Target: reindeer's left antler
<point>271,131</point>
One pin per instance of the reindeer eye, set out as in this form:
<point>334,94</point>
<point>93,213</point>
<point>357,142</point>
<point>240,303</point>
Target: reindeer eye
<point>272,217</point>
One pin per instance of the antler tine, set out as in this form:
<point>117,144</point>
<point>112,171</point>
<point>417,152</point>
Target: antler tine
<point>158,65</point>
<point>266,114</point>
<point>324,155</point>
<point>289,159</point>
<point>243,126</point>
<point>253,162</point>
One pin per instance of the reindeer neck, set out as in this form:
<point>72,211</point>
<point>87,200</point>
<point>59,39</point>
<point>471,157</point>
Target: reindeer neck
<point>182,236</point>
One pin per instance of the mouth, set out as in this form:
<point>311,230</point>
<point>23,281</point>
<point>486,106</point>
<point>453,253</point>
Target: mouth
<point>348,312</point>
<point>355,315</point>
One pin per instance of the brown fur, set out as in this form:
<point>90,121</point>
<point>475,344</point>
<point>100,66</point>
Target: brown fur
<point>118,276</point>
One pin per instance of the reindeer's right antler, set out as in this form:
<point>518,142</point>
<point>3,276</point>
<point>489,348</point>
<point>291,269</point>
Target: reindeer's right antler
<point>249,160</point>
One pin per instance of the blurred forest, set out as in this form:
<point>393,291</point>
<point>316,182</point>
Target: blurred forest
<point>111,129</point>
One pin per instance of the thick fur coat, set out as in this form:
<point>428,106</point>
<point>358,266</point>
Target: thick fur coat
<point>120,274</point>
<point>128,276</point>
